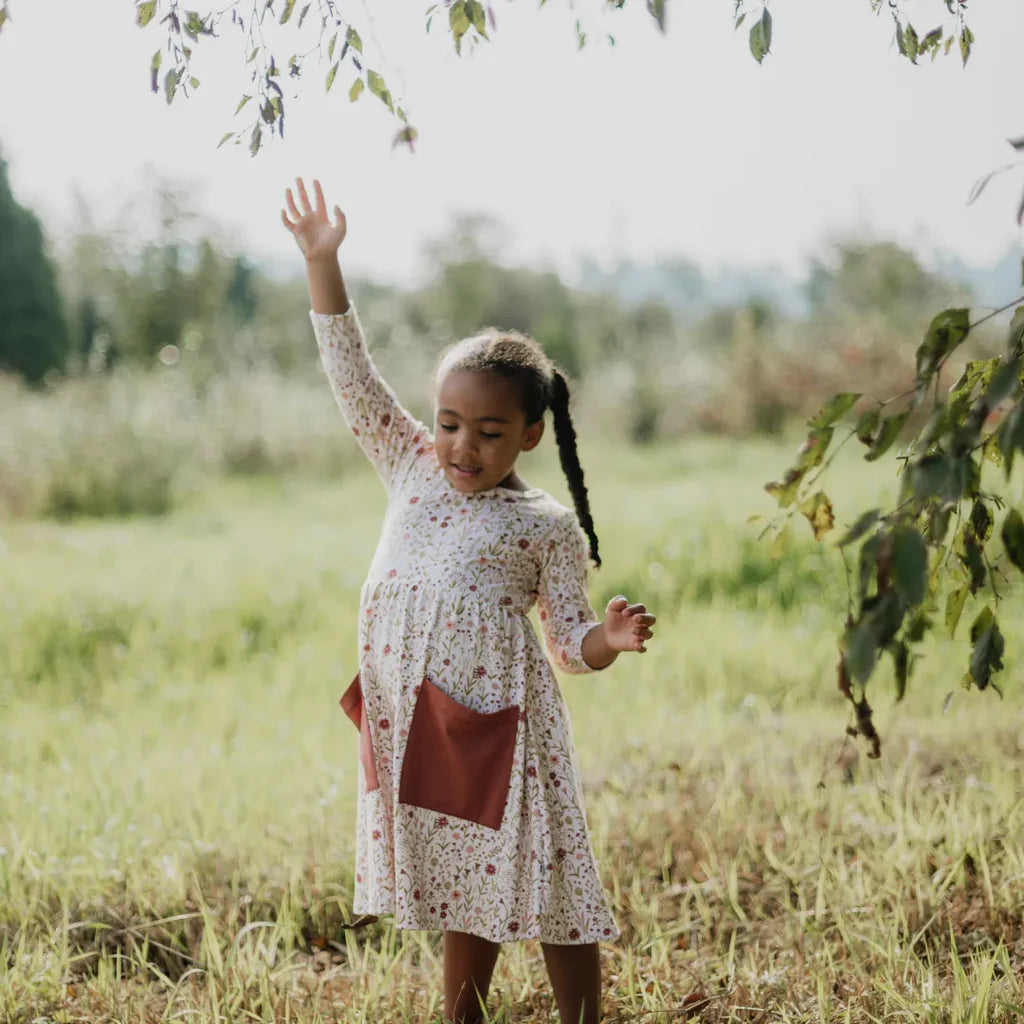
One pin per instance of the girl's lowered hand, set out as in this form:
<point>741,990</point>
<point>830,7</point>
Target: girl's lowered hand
<point>627,627</point>
<point>312,229</point>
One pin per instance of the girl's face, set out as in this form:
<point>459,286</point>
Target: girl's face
<point>480,429</point>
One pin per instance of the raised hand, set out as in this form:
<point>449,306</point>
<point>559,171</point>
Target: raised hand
<point>312,229</point>
<point>627,627</point>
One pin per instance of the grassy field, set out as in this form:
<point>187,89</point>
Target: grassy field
<point>177,781</point>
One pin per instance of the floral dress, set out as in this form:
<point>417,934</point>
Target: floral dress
<point>470,812</point>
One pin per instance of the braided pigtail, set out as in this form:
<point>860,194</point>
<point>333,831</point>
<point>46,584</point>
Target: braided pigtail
<point>565,435</point>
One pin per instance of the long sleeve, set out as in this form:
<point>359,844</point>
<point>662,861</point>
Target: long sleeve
<point>385,431</point>
<point>565,612</point>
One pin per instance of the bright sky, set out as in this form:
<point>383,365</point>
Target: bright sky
<point>675,145</point>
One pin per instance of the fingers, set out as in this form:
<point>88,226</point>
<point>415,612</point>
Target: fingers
<point>303,196</point>
<point>321,206</point>
<point>617,603</point>
<point>287,223</point>
<point>340,220</point>
<point>292,208</point>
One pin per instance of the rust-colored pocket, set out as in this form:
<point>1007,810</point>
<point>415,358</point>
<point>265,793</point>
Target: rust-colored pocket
<point>352,704</point>
<point>458,761</point>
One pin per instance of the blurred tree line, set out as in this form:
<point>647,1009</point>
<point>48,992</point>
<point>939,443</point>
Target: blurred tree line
<point>163,287</point>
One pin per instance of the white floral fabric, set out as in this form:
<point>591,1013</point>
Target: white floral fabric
<point>444,605</point>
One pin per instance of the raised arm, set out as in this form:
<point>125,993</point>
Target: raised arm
<point>383,428</point>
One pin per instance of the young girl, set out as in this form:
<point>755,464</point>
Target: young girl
<point>470,812</point>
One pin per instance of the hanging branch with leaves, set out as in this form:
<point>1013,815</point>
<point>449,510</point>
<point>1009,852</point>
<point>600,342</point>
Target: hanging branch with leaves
<point>326,33</point>
<point>949,534</point>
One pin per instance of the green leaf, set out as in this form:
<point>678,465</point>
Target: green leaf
<point>256,139</point>
<point>224,138</point>
<point>779,543</point>
<point>990,449</point>
<point>785,492</point>
<point>458,20</point>
<point>888,433</point>
<point>812,451</point>
<point>1011,435</point>
<point>353,40</point>
<point>931,41</point>
<point>970,555</point>
<point>302,14</point>
<point>286,13</point>
<point>867,423</point>
<point>966,38</point>
<point>909,565</point>
<point>761,36</point>
<point>911,47</point>
<point>939,476</point>
<point>1013,538</point>
<point>860,527</point>
<point>144,13</point>
<point>901,665</point>
<point>656,9</point>
<point>917,627</point>
<point>988,644</point>
<point>241,103</point>
<point>356,90</point>
<point>379,88</point>
<point>871,633</point>
<point>981,521</point>
<point>331,45</point>
<point>834,409</point>
<point>170,84</point>
<point>955,601</point>
<point>477,16</point>
<point>860,652</point>
<point>406,136</point>
<point>818,510</point>
<point>938,523</point>
<point>330,77</point>
<point>1016,332</point>
<point>945,332</point>
<point>1005,382</point>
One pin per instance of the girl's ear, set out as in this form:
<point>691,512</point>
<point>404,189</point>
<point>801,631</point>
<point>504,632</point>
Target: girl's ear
<point>534,432</point>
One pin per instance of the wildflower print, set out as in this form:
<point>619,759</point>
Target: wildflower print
<point>446,600</point>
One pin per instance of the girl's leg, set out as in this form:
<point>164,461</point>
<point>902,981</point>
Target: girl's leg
<point>575,973</point>
<point>468,965</point>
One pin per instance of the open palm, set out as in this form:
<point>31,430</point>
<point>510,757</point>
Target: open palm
<point>312,229</point>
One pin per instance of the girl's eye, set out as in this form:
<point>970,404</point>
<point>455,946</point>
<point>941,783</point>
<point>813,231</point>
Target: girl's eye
<point>448,426</point>
<point>490,437</point>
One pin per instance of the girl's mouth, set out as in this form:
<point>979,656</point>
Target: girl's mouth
<point>465,473</point>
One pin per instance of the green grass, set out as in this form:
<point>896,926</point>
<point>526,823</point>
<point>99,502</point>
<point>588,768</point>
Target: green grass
<point>177,781</point>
